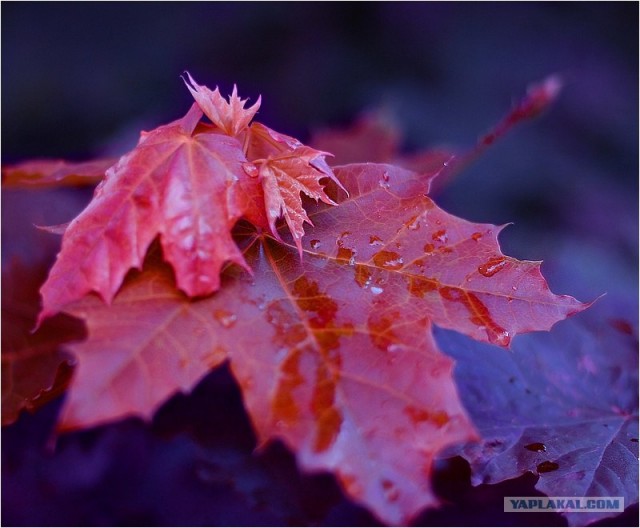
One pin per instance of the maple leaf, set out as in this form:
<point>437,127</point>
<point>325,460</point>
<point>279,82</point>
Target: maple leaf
<point>562,405</point>
<point>35,369</point>
<point>231,117</point>
<point>334,352</point>
<point>54,173</point>
<point>175,184</point>
<point>287,168</point>
<point>188,184</point>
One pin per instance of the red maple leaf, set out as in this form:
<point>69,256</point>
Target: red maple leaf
<point>334,352</point>
<point>287,168</point>
<point>35,368</point>
<point>189,185</point>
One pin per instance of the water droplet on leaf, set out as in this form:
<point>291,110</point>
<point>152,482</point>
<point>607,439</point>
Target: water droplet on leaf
<point>384,181</point>
<point>501,338</point>
<point>390,490</point>
<point>375,241</point>
<point>537,447</point>
<point>413,224</point>
<point>492,266</point>
<point>440,236</point>
<point>225,318</point>
<point>547,466</point>
<point>250,169</point>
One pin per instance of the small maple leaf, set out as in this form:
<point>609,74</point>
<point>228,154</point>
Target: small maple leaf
<point>231,117</point>
<point>287,168</point>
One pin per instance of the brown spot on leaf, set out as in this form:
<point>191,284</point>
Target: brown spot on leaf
<point>284,406</point>
<point>381,330</point>
<point>389,260</point>
<point>419,286</point>
<point>362,275</point>
<point>345,255</point>
<point>323,406</point>
<point>417,416</point>
<point>479,314</point>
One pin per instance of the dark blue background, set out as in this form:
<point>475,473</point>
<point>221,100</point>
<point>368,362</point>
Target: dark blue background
<point>81,79</point>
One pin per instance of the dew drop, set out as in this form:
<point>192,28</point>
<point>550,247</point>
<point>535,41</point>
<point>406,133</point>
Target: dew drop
<point>388,260</point>
<point>375,241</point>
<point>500,338</point>
<point>376,290</point>
<point>315,244</point>
<point>440,236</point>
<point>413,224</point>
<point>188,242</point>
<point>390,490</point>
<point>547,466</point>
<point>225,318</point>
<point>492,266</point>
<point>394,348</point>
<point>250,169</point>
<point>476,236</point>
<point>536,447</point>
<point>384,181</point>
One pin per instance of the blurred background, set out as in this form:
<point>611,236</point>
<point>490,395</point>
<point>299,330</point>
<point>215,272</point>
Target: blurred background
<point>82,79</point>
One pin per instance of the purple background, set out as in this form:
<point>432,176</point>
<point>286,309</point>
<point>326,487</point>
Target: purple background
<point>82,79</point>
